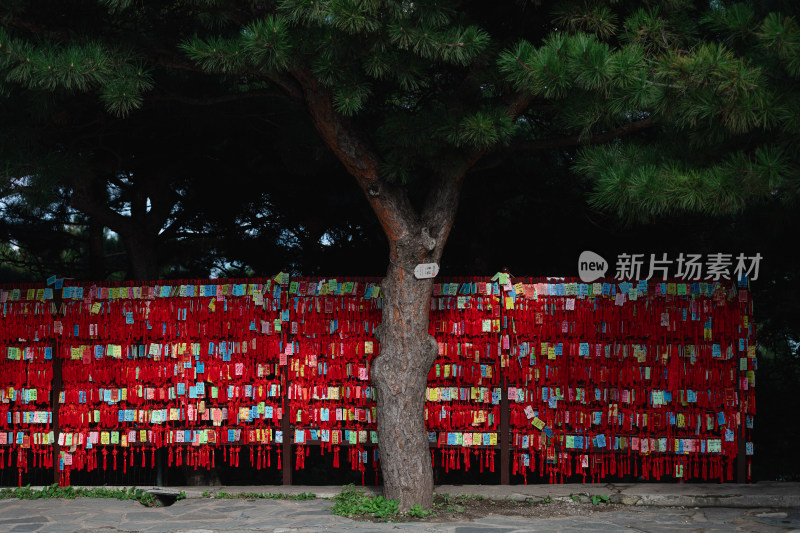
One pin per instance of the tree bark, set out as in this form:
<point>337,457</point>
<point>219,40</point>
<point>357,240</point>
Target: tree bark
<point>407,350</point>
<point>400,375</point>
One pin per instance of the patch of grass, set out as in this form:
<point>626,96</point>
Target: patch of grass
<point>575,498</point>
<point>355,503</point>
<point>417,511</point>
<point>547,499</point>
<point>447,505</point>
<point>597,499</point>
<point>70,493</point>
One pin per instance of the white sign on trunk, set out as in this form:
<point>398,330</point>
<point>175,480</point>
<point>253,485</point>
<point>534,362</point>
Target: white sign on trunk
<point>426,270</point>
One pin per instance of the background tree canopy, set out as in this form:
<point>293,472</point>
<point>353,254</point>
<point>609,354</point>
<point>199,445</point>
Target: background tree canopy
<point>176,139</point>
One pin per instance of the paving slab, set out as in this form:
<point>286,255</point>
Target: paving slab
<point>704,508</point>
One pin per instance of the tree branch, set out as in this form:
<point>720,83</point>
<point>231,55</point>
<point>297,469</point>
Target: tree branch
<point>390,202</point>
<point>83,200</point>
<point>564,142</point>
<point>575,140</point>
<point>213,100</point>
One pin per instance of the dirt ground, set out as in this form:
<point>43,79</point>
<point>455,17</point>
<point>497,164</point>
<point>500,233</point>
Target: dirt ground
<point>459,508</point>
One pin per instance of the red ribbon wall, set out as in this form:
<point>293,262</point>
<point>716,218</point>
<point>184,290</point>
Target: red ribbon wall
<point>602,380</point>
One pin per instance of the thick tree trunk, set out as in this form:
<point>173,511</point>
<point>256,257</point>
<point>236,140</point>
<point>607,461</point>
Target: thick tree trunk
<point>400,375</point>
<point>407,351</point>
<point>97,267</point>
<point>142,256</point>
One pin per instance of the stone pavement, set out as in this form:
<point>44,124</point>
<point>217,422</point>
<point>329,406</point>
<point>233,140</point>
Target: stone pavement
<point>648,512</point>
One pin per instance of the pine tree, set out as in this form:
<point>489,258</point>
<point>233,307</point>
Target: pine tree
<point>679,107</point>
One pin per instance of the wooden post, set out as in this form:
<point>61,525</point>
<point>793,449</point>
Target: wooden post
<point>56,385</point>
<point>505,415</point>
<point>160,467</point>
<point>741,456</point>
<point>286,423</point>
<point>286,427</point>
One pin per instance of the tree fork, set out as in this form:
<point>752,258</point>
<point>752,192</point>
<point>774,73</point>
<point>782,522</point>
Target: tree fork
<point>407,350</point>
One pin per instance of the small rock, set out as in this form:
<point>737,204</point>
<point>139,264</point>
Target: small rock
<point>772,515</point>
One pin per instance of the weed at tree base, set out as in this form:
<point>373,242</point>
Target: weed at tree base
<point>354,503</point>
